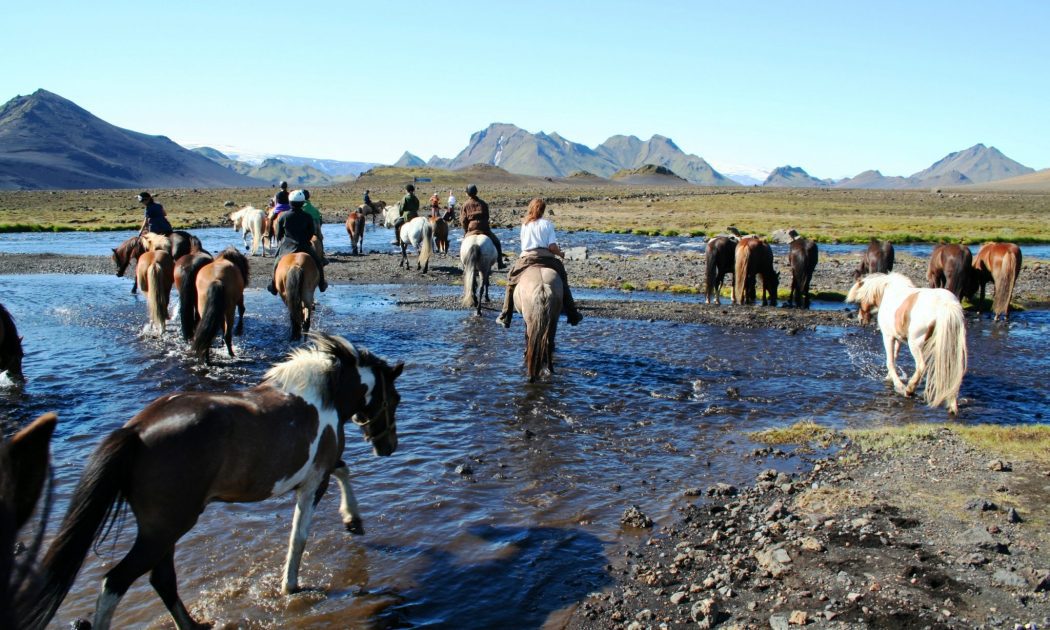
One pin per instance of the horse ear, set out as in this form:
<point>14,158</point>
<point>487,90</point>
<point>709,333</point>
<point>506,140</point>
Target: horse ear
<point>396,372</point>
<point>28,453</point>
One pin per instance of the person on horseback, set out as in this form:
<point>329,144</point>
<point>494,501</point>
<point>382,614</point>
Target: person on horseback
<point>475,219</point>
<point>451,212</point>
<point>368,201</point>
<point>280,201</point>
<point>294,230</point>
<point>409,210</point>
<point>314,213</point>
<point>435,206</point>
<point>156,221</point>
<point>538,247</point>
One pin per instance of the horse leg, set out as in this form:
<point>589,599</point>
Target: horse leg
<point>892,347</point>
<point>915,346</point>
<point>145,554</point>
<point>304,512</point>
<point>227,333</point>
<point>347,501</point>
<point>240,320</point>
<point>163,580</point>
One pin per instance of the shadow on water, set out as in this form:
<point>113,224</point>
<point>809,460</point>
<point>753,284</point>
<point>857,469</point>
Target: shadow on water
<point>499,577</point>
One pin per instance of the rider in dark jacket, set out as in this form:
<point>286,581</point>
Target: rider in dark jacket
<point>409,210</point>
<point>294,230</point>
<point>475,220</point>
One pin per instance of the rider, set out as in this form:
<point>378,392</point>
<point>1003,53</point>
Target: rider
<point>280,201</point>
<point>368,201</point>
<point>156,221</point>
<point>451,212</point>
<point>314,213</point>
<point>409,210</point>
<point>538,247</point>
<point>475,219</point>
<point>294,229</point>
<point>435,206</point>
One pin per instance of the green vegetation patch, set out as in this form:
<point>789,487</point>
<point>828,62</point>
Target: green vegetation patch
<point>803,433</point>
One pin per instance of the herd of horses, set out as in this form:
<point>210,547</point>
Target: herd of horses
<point>186,450</point>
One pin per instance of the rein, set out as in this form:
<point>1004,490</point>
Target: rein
<point>384,411</point>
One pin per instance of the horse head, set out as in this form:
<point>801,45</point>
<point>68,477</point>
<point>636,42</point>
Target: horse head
<point>123,253</point>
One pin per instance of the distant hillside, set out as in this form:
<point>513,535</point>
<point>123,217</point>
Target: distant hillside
<point>650,174</point>
<point>48,142</point>
<point>873,180</point>
<point>409,161</point>
<point>1038,181</point>
<point>439,162</point>
<point>271,170</point>
<point>978,164</point>
<point>630,152</point>
<point>793,177</point>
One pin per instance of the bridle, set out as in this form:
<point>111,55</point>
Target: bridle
<point>383,412</point>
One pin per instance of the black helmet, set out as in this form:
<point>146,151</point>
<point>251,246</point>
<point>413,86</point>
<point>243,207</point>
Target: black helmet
<point>306,193</point>
<point>284,184</point>
<point>472,190</point>
<point>410,188</point>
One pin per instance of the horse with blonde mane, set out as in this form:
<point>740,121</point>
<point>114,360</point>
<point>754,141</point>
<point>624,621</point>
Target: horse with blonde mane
<point>477,254</point>
<point>355,229</point>
<point>296,278</point>
<point>754,257</point>
<point>178,244</point>
<point>155,274</point>
<point>930,321</point>
<point>252,220</point>
<point>1000,264</point>
<point>220,289</point>
<point>419,233</point>
<point>538,297</point>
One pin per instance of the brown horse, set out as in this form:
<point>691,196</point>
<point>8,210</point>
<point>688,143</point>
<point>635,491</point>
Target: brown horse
<point>355,229</point>
<point>802,256</point>
<point>10,346</point>
<point>375,210</point>
<point>720,256</point>
<point>186,270</point>
<point>949,268</point>
<point>538,298</point>
<point>296,279</point>
<point>1000,264</point>
<point>23,475</point>
<point>878,258</point>
<point>220,290</point>
<point>189,449</point>
<point>156,274</point>
<point>754,257</point>
<point>179,244</point>
<point>440,235</point>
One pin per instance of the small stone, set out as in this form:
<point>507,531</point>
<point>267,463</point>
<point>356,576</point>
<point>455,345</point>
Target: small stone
<point>464,470</point>
<point>644,615</point>
<point>634,517</point>
<point>999,465</point>
<point>1013,517</point>
<point>1008,578</point>
<point>982,505</point>
<point>679,597</point>
<point>798,618</point>
<point>853,598</point>
<point>778,622</point>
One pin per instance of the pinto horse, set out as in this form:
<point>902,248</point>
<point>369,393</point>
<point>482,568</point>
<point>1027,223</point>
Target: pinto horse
<point>186,270</point>
<point>220,290</point>
<point>295,279</point>
<point>252,220</point>
<point>355,229</point>
<point>189,449</point>
<point>930,320</point>
<point>878,258</point>
<point>155,274</point>
<point>949,268</point>
<point>538,297</point>
<point>1000,264</point>
<point>477,253</point>
<point>719,256</point>
<point>10,346</point>
<point>440,235</point>
<point>754,257</point>
<point>802,255</point>
<point>24,470</point>
<point>420,234</point>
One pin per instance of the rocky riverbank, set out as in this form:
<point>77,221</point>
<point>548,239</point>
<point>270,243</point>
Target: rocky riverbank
<point>930,533</point>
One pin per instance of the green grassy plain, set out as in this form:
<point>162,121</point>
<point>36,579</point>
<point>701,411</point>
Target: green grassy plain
<point>578,203</point>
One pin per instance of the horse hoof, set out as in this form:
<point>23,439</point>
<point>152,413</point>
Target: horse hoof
<point>355,527</point>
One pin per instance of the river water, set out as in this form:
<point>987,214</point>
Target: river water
<point>638,413</point>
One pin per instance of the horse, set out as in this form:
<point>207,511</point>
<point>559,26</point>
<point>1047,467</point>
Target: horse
<point>220,289</point>
<point>10,346</point>
<point>390,215</point>
<point>719,255</point>
<point>440,227</point>
<point>878,258</point>
<point>179,244</point>
<point>24,473</point>
<point>188,449</point>
<point>420,234</point>
<point>538,297</point>
<point>186,270</point>
<point>296,278</point>
<point>1000,264</point>
<point>930,320</point>
<point>375,210</point>
<point>156,273</point>
<point>355,229</point>
<point>754,257</point>
<point>802,255</point>
<point>251,220</point>
<point>949,268</point>
<point>477,254</point>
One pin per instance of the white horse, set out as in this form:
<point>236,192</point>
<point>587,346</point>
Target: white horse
<point>930,320</point>
<point>250,220</point>
<point>390,215</point>
<point>477,253</point>
<point>538,298</point>
<point>418,232</point>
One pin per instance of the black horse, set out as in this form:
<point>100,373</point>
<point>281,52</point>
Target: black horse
<point>721,256</point>
<point>10,346</point>
<point>950,267</point>
<point>802,256</point>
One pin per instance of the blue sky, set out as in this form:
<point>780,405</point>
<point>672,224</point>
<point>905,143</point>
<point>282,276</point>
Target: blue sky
<point>833,87</point>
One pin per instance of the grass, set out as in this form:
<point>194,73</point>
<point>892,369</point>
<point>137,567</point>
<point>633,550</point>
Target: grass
<point>803,433</point>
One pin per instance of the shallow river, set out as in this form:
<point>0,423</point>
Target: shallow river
<point>637,413</point>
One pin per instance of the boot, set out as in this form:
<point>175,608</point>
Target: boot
<point>508,307</point>
<point>272,288</point>
<point>569,307</point>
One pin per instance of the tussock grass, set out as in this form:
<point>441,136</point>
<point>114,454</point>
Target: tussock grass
<point>1028,442</point>
<point>803,433</point>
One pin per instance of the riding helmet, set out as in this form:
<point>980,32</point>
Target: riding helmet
<point>284,185</point>
<point>144,196</point>
<point>297,196</point>
<point>306,193</point>
<point>410,188</point>
<point>472,190</point>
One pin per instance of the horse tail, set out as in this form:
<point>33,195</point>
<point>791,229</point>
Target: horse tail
<point>188,300</point>
<point>257,235</point>
<point>945,354</point>
<point>427,247</point>
<point>293,291</point>
<point>740,274</point>
<point>470,270</point>
<point>157,303</point>
<point>97,500</point>
<point>213,317</point>
<point>537,324</point>
<point>1004,279</point>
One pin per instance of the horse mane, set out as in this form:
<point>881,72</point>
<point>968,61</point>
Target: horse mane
<point>238,259</point>
<point>153,242</point>
<point>312,372</point>
<point>871,287</point>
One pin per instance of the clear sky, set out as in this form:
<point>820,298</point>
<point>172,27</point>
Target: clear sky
<point>833,87</point>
